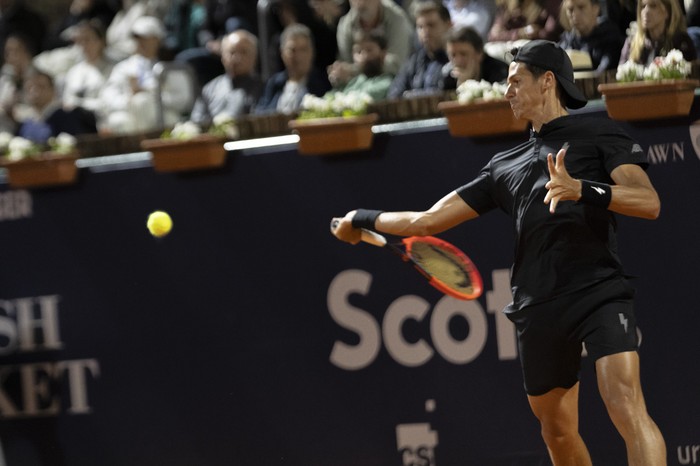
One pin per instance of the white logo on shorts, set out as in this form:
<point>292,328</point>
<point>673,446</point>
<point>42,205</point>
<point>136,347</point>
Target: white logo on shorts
<point>623,320</point>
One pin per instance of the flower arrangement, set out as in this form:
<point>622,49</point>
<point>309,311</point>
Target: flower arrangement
<point>335,104</point>
<point>671,66</point>
<point>16,148</point>
<point>223,125</point>
<point>472,90</point>
<point>63,144</point>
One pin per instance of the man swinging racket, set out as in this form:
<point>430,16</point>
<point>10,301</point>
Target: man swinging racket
<point>567,281</point>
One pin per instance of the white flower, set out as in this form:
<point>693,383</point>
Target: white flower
<point>629,71</point>
<point>223,119</point>
<point>5,139</point>
<point>186,130</point>
<point>675,56</point>
<point>671,66</point>
<point>64,143</point>
<point>471,90</point>
<point>335,104</point>
<point>311,102</point>
<point>224,125</point>
<point>20,148</point>
<point>358,101</point>
<point>651,73</point>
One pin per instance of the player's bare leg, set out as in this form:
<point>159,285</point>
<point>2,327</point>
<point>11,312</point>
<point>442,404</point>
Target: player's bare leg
<point>557,411</point>
<point>620,388</point>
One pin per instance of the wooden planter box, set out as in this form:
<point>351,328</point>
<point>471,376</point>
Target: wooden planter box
<point>45,170</point>
<point>201,152</point>
<point>649,100</point>
<point>334,135</point>
<point>481,118</point>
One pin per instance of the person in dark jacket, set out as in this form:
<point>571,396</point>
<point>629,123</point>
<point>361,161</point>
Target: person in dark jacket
<point>285,89</point>
<point>48,118</point>
<point>592,33</point>
<point>422,72</point>
<point>465,49</point>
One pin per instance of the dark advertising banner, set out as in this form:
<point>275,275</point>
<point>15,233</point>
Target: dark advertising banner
<point>250,336</point>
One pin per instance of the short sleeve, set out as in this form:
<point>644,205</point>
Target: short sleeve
<point>619,148</point>
<point>478,193</point>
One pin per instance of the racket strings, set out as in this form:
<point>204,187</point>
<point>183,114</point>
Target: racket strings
<point>443,265</point>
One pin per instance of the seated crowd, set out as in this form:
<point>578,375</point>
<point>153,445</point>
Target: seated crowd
<point>99,69</point>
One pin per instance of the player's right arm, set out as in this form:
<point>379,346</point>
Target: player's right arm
<point>446,213</point>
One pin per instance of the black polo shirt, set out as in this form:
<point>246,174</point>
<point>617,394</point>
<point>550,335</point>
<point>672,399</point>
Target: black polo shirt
<point>575,247</point>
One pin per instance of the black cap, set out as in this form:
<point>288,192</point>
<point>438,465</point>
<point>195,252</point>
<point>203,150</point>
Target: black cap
<point>549,56</point>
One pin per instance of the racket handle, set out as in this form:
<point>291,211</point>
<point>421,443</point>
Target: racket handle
<point>373,238</point>
<point>367,236</point>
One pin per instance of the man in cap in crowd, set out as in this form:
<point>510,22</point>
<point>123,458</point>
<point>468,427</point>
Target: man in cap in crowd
<point>569,287</point>
<point>130,98</point>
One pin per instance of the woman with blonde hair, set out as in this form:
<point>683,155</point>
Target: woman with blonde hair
<point>661,28</point>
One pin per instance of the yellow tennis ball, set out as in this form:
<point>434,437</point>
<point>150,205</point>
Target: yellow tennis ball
<point>159,223</point>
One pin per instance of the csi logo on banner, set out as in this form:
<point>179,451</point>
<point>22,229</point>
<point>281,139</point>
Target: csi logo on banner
<point>30,326</point>
<point>371,334</point>
<point>416,444</point>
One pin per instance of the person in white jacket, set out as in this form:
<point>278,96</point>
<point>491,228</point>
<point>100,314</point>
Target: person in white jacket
<point>130,97</point>
<point>84,80</point>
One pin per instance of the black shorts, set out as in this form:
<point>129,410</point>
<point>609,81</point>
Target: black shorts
<point>550,334</point>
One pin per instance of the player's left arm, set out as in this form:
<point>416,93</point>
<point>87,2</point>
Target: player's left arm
<point>632,194</point>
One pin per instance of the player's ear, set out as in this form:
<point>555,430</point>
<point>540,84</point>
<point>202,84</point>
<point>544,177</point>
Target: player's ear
<point>548,81</point>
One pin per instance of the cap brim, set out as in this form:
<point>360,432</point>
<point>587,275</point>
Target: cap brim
<point>574,97</point>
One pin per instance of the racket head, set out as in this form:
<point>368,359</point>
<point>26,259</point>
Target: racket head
<point>447,268</point>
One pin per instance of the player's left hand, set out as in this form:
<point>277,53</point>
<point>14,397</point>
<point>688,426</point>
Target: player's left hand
<point>561,186</point>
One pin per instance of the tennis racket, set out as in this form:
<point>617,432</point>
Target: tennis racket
<point>444,266</point>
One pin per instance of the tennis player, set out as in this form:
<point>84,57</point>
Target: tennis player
<point>568,284</point>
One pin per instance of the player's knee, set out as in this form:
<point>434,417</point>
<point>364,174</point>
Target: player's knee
<point>558,434</point>
<point>624,408</point>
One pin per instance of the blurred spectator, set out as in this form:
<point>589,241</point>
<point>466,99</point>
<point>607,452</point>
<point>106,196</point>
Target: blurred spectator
<point>17,17</point>
<point>285,89</point>
<point>465,49</point>
<point>366,15</point>
<point>660,28</point>
<point>369,50</point>
<point>49,118</point>
<point>329,11</point>
<point>589,32</point>
<point>222,17</point>
<point>79,10</point>
<point>478,14</point>
<point>235,92</point>
<point>130,99</point>
<point>16,70</point>
<point>422,72</point>
<point>526,19</point>
<point>288,12</point>
<point>85,80</point>
<point>120,43</point>
<point>182,23</point>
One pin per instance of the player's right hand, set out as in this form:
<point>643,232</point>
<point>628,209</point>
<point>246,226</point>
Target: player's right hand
<point>341,228</point>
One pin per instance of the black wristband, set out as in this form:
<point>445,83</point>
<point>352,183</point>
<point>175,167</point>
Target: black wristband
<point>365,218</point>
<point>597,194</point>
